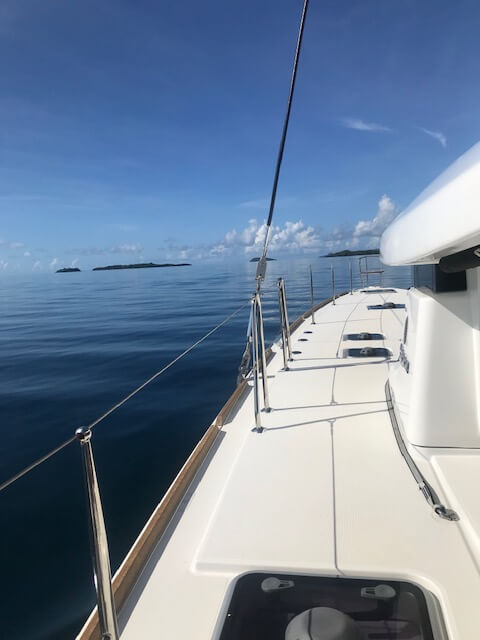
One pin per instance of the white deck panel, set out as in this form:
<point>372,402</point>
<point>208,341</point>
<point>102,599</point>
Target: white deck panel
<point>386,528</point>
<point>324,490</point>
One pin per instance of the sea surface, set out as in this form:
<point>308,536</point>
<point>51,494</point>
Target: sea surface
<point>73,344</point>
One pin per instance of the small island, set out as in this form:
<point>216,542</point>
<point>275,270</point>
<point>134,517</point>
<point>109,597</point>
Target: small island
<point>267,259</point>
<point>348,252</point>
<point>67,270</point>
<point>139,265</point>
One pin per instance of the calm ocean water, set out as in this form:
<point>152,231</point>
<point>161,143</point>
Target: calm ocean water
<point>73,344</point>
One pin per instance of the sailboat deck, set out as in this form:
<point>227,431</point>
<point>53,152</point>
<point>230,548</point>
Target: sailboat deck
<point>324,490</point>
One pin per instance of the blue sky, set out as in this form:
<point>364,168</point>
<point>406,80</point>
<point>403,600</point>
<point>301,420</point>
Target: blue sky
<point>149,130</point>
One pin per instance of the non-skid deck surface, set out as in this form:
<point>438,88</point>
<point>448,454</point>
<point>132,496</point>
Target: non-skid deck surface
<point>323,490</point>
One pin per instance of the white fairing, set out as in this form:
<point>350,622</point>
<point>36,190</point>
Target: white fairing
<point>444,219</point>
<point>438,398</point>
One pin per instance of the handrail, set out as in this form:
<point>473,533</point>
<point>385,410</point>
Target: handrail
<point>311,294</point>
<point>284,324</point>
<point>261,336</point>
<point>333,284</point>
<point>368,271</point>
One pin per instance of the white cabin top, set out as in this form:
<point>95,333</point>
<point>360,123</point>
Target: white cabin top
<point>443,219</point>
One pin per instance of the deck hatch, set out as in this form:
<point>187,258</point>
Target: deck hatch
<point>364,335</point>
<point>385,305</point>
<point>367,352</point>
<point>391,610</point>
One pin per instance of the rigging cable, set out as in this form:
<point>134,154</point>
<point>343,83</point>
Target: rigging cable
<point>262,263</point>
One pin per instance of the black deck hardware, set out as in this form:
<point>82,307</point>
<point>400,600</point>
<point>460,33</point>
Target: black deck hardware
<point>385,305</point>
<point>364,335</point>
<point>378,291</point>
<point>458,262</point>
<point>367,352</point>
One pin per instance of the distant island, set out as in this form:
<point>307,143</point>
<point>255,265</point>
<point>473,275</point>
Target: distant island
<point>139,265</point>
<point>257,259</point>
<point>67,270</point>
<point>347,252</point>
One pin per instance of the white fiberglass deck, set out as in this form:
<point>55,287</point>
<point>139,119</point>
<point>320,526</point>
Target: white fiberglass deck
<point>323,490</point>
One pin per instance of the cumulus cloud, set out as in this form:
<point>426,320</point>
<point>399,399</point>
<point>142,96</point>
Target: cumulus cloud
<point>291,237</point>
<point>27,254</point>
<point>53,263</point>
<point>373,228</point>
<point>361,125</point>
<point>436,135</point>
<point>37,265</point>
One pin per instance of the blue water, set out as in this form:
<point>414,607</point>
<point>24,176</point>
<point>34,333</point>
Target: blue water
<point>73,344</point>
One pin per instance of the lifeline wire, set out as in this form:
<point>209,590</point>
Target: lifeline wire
<point>61,446</point>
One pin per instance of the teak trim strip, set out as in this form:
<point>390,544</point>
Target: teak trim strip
<point>136,559</point>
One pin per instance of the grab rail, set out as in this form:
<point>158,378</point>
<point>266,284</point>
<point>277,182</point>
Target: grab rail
<point>368,271</point>
<point>284,324</point>
<point>311,295</point>
<point>333,284</point>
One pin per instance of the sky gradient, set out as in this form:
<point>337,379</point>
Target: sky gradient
<point>149,130</point>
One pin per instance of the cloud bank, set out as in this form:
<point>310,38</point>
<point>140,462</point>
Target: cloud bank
<point>291,237</point>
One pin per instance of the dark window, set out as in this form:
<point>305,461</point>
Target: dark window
<point>263,605</point>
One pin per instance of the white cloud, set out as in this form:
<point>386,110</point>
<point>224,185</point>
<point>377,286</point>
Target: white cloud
<point>127,248</point>
<point>53,263</point>
<point>436,135</point>
<point>37,266</point>
<point>293,236</point>
<point>6,244</point>
<point>259,203</point>
<point>386,212</point>
<point>99,251</point>
<point>3,264</point>
<point>361,125</point>
<point>27,254</point>
<point>74,262</point>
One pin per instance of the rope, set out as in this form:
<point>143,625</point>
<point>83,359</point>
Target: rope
<point>116,406</point>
